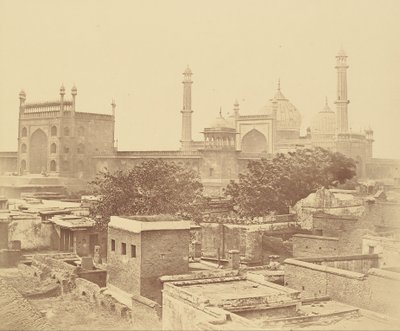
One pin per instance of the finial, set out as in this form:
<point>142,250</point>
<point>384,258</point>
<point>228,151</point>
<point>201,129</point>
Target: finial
<point>236,103</point>
<point>279,84</point>
<point>74,90</point>
<point>113,102</point>
<point>22,94</point>
<point>220,111</point>
<point>62,89</point>
<point>326,101</point>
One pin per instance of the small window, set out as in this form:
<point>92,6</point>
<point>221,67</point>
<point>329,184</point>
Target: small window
<point>133,251</point>
<point>123,248</point>
<point>54,131</point>
<point>23,148</point>
<point>211,171</point>
<point>66,131</point>
<point>53,165</point>
<point>66,149</point>
<point>53,148</point>
<point>306,246</point>
<point>303,288</point>
<point>371,249</point>
<point>112,245</point>
<point>319,248</point>
<point>81,131</point>
<point>24,132</point>
<point>81,149</point>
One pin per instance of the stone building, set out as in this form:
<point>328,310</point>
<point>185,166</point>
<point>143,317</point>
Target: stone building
<point>54,138</point>
<point>142,249</point>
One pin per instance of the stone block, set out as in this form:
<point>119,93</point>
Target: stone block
<point>87,263</point>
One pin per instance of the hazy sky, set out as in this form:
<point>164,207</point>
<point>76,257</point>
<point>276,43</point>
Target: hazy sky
<point>136,51</point>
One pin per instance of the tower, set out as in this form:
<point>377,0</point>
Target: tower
<point>341,101</point>
<point>186,140</point>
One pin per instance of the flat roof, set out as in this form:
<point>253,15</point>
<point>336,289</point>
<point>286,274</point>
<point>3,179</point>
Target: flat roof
<point>138,224</point>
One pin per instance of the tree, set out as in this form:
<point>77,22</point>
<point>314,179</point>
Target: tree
<point>273,185</point>
<point>150,188</point>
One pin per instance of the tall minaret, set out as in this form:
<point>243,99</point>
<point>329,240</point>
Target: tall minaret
<point>186,140</point>
<point>341,102</point>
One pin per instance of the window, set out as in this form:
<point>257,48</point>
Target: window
<point>112,245</point>
<point>303,288</point>
<point>133,251</point>
<point>81,149</point>
<point>81,131</point>
<point>66,131</point>
<point>123,248</point>
<point>24,132</point>
<point>53,148</point>
<point>66,149</point>
<point>53,165</point>
<point>211,172</point>
<point>54,131</point>
<point>371,249</point>
<point>23,148</point>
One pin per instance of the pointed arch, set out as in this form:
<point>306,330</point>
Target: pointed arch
<point>38,152</point>
<point>254,142</point>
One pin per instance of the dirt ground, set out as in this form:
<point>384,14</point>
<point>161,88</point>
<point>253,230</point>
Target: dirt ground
<point>69,312</point>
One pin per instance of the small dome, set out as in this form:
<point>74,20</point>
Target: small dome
<point>62,89</point>
<point>74,90</point>
<point>220,122</point>
<point>341,53</point>
<point>324,122</point>
<point>187,71</point>
<point>288,117</point>
<point>22,94</point>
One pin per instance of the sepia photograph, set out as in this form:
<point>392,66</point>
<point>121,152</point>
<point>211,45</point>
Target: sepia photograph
<point>200,165</point>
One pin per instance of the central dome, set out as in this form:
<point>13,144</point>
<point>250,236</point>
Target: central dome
<point>287,115</point>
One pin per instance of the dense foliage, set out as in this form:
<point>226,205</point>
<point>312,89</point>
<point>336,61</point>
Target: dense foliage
<point>150,188</point>
<point>273,185</point>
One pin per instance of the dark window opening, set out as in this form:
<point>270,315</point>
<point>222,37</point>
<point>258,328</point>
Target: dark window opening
<point>123,248</point>
<point>133,251</point>
<point>112,245</point>
<point>303,288</point>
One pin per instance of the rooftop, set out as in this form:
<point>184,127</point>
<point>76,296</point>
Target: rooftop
<point>138,224</point>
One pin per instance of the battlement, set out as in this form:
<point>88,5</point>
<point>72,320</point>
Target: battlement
<point>47,106</point>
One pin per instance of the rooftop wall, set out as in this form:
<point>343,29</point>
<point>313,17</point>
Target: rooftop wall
<point>378,290</point>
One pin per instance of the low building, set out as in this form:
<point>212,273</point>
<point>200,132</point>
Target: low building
<point>143,248</point>
<point>77,234</point>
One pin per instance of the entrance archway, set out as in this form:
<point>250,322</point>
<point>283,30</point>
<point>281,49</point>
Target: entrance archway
<point>38,152</point>
<point>254,142</point>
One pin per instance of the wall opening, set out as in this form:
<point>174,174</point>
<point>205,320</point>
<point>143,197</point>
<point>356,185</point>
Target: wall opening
<point>254,142</point>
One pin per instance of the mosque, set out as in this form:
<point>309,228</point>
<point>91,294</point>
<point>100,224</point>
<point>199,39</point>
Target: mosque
<point>57,141</point>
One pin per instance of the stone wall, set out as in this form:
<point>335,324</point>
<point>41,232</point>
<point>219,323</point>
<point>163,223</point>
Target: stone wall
<point>309,245</point>
<point>124,271</point>
<point>93,293</point>
<point>377,291</point>
<point>388,248</point>
<point>163,253</point>
<point>32,233</point>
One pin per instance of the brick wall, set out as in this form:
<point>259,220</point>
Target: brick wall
<point>377,291</point>
<point>309,246</point>
<point>124,271</point>
<point>163,253</point>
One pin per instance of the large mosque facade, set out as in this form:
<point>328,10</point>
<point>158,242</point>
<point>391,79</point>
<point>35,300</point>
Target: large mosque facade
<point>56,140</point>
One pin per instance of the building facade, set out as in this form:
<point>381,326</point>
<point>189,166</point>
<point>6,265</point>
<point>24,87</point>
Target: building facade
<point>57,140</point>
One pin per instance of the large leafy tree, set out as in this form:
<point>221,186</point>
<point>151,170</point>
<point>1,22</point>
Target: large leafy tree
<point>273,185</point>
<point>150,188</point>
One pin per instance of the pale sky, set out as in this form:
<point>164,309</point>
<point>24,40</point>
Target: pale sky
<point>136,51</point>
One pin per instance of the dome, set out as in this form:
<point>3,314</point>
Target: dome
<point>324,121</point>
<point>221,122</point>
<point>288,117</point>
